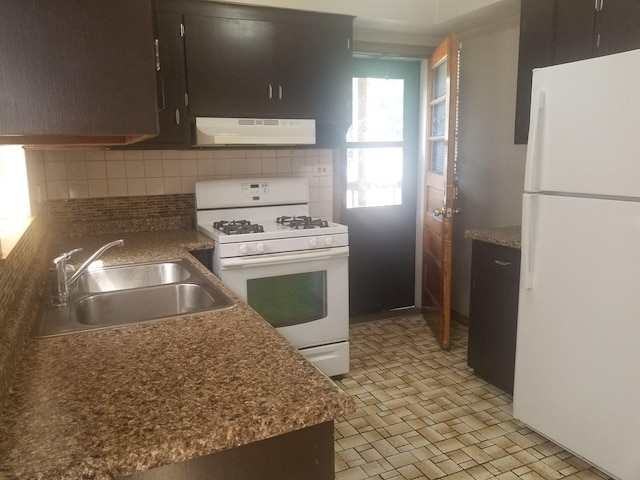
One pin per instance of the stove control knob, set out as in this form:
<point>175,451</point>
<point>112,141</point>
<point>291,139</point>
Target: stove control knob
<point>243,249</point>
<point>313,242</point>
<point>260,247</point>
<point>328,241</point>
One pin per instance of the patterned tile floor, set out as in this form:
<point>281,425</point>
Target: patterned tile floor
<point>422,414</point>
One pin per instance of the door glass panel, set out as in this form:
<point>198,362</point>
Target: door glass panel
<point>288,300</point>
<point>374,176</point>
<point>377,110</point>
<point>436,159</point>
<point>438,115</point>
<point>440,81</point>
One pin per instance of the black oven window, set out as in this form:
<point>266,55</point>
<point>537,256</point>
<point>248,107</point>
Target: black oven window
<point>288,300</point>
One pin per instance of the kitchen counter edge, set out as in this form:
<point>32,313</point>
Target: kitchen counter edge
<point>504,236</point>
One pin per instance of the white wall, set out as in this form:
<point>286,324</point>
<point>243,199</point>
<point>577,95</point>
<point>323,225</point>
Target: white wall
<point>490,166</point>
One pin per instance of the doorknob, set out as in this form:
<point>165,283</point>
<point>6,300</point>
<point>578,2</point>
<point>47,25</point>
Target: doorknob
<point>447,212</point>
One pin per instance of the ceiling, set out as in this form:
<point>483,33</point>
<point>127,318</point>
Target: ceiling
<point>409,22</point>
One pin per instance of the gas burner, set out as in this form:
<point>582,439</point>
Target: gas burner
<point>237,227</point>
<point>302,222</point>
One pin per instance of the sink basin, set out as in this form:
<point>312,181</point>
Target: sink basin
<point>137,305</point>
<point>123,277</point>
<point>131,294</point>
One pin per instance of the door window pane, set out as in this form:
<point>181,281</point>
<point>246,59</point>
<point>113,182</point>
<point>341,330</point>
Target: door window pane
<point>436,159</point>
<point>438,115</point>
<point>288,300</point>
<point>377,110</point>
<point>440,81</point>
<point>374,176</point>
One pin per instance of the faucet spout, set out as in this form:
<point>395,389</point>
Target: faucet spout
<point>60,294</point>
<point>92,259</point>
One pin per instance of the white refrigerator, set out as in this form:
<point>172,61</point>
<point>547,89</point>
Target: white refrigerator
<point>577,375</point>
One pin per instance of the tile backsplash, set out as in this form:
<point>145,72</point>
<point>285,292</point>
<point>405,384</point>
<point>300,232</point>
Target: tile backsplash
<point>67,174</point>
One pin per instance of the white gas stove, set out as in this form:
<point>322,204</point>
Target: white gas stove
<point>291,268</point>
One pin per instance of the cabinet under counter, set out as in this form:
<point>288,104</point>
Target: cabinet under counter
<point>493,306</point>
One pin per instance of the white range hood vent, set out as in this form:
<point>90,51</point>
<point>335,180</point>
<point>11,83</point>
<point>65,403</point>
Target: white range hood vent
<point>212,132</point>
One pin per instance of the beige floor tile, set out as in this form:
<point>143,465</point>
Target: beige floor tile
<point>422,414</point>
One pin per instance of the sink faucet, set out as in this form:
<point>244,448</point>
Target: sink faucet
<point>62,284</point>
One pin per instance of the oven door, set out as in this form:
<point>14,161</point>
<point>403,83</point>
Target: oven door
<point>305,295</point>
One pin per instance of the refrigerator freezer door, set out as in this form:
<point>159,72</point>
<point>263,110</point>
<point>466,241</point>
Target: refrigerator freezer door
<point>584,127</point>
<point>578,339</point>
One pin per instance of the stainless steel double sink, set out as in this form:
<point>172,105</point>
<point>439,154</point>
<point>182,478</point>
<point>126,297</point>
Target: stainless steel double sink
<point>129,294</point>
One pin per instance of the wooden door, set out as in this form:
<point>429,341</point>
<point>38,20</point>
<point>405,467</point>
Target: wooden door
<point>440,189</point>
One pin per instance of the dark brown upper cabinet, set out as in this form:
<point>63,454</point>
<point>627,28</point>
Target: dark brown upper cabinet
<point>246,62</point>
<point>77,72</point>
<point>536,50</point>
<point>227,60</point>
<point>172,84</point>
<point>617,27</point>
<point>560,31</point>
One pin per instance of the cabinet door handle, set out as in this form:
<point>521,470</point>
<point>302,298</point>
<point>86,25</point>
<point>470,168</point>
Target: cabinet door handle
<point>270,91</point>
<point>502,263</point>
<point>280,92</point>
<point>157,51</point>
<point>177,117</point>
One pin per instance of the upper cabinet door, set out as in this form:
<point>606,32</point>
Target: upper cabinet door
<point>248,62</point>
<point>536,50</point>
<point>574,30</point>
<point>617,27</point>
<point>172,115</point>
<point>313,71</point>
<point>77,72</point>
<point>562,31</point>
<point>229,66</point>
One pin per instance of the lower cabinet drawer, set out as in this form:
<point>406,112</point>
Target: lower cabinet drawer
<point>496,260</point>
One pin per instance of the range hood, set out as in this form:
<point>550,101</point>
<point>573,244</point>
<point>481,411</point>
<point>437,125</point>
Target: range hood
<point>212,132</point>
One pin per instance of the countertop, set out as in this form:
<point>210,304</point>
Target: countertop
<point>110,403</point>
<point>505,236</point>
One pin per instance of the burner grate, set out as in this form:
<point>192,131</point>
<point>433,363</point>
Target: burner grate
<point>237,227</point>
<point>302,222</point>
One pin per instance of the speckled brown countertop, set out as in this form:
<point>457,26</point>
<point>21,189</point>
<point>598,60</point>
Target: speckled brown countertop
<point>505,236</point>
<point>109,403</point>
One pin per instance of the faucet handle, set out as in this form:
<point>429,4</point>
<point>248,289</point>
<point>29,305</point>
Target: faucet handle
<point>65,256</point>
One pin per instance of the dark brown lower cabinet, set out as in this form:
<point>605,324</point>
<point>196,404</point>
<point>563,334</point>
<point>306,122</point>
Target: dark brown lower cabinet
<point>305,454</point>
<point>493,313</point>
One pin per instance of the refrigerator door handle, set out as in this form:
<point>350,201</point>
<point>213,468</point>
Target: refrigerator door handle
<point>532,163</point>
<point>528,235</point>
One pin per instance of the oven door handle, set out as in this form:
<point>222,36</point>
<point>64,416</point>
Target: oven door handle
<point>279,259</point>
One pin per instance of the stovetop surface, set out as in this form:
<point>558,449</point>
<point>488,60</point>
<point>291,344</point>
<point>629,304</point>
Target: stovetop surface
<point>271,231</point>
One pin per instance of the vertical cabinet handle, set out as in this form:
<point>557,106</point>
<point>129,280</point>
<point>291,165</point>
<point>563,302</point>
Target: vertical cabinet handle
<point>280,92</point>
<point>270,91</point>
<point>157,50</point>
<point>177,117</point>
